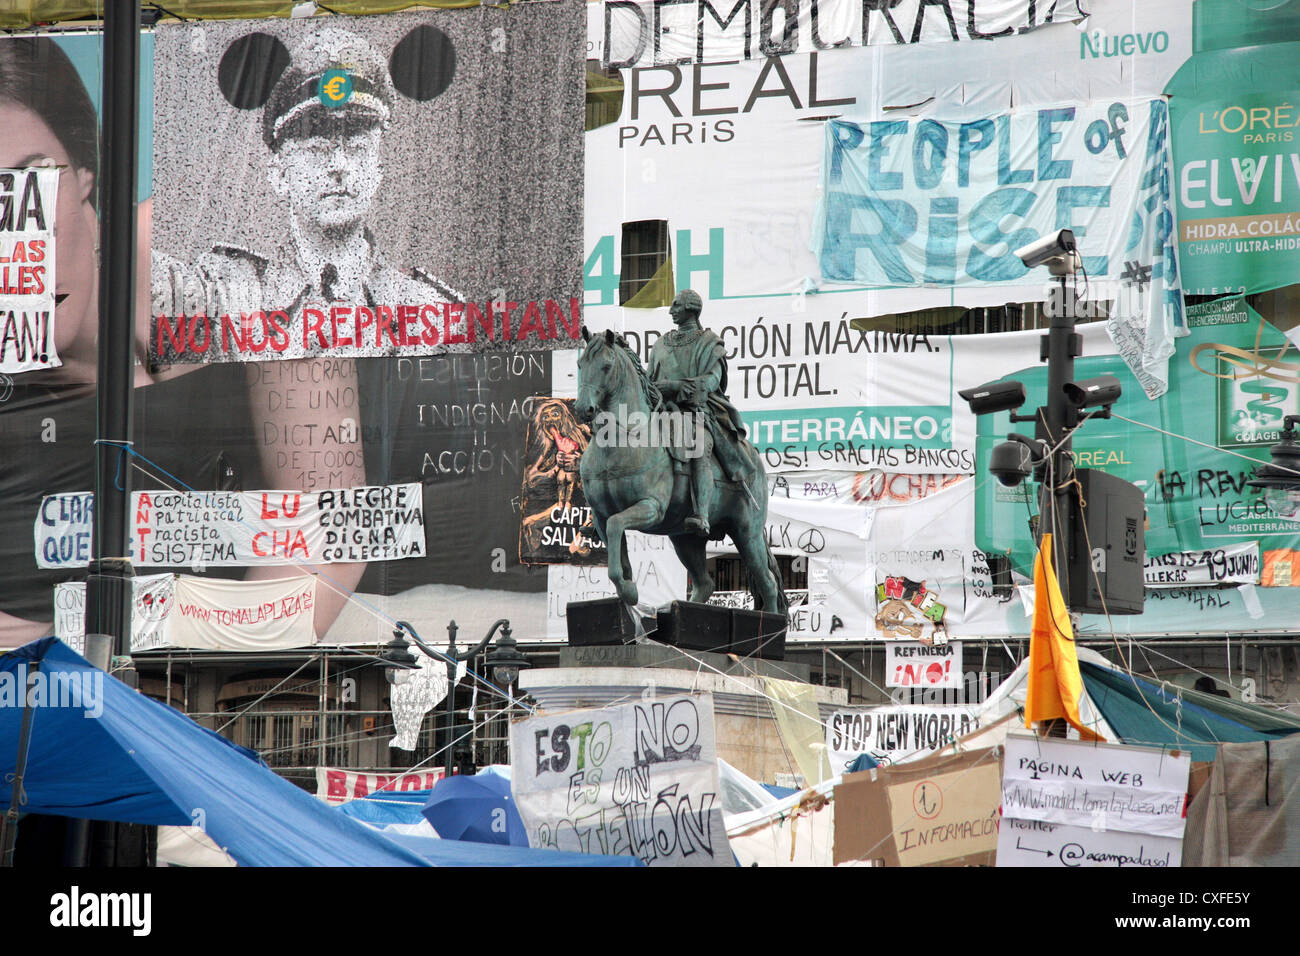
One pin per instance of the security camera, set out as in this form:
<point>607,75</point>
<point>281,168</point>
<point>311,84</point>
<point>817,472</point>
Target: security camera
<point>1014,460</point>
<point>1056,250</point>
<point>994,397</point>
<point>1091,392</point>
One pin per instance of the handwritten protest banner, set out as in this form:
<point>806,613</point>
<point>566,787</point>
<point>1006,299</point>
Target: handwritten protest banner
<point>244,529</point>
<point>28,200</point>
<point>244,615</point>
<point>893,733</point>
<point>1086,804</point>
<point>154,599</point>
<point>638,779</point>
<point>1233,564</point>
<point>923,665</point>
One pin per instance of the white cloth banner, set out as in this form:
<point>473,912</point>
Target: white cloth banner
<point>939,203</point>
<point>652,34</point>
<point>244,615</point>
<point>154,599</point>
<point>659,576</point>
<point>639,779</point>
<point>829,541</point>
<point>893,733</point>
<point>1234,564</point>
<point>1075,803</point>
<point>244,529</point>
<point>28,202</point>
<point>1148,299</point>
<point>334,785</point>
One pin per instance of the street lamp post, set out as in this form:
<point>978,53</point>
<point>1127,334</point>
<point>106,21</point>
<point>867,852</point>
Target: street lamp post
<point>505,660</point>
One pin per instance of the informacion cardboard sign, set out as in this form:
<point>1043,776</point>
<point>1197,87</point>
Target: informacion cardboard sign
<point>942,810</point>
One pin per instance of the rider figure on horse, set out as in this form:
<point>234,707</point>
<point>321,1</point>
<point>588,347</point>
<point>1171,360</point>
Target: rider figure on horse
<point>689,367</point>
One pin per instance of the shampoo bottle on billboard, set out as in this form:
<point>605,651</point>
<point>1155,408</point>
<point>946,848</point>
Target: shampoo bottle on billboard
<point>1235,109</point>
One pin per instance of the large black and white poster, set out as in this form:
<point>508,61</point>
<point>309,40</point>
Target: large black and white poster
<point>347,187</point>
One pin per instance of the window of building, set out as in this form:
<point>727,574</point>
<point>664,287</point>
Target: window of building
<point>729,572</point>
<point>646,250</point>
<point>604,95</point>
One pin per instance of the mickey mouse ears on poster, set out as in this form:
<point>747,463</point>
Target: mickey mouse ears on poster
<point>333,69</point>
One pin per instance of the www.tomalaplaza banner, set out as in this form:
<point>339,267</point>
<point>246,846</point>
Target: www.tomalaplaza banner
<point>347,187</point>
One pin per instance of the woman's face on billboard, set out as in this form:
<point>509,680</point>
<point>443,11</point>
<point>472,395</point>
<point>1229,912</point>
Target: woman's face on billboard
<point>28,141</point>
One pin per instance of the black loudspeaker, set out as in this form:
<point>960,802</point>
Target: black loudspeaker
<point>603,622</point>
<point>758,634</point>
<point>695,627</point>
<point>1106,562</point>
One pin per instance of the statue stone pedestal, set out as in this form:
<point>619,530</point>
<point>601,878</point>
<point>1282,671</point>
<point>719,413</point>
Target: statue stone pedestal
<point>691,626</point>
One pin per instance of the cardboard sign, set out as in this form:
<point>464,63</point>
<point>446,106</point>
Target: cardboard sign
<point>936,811</point>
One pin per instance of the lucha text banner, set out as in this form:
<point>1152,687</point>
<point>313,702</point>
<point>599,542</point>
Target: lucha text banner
<point>244,529</point>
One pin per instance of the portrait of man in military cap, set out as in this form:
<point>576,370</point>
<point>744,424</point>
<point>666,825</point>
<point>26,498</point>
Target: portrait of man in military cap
<point>323,126</point>
<point>335,164</point>
<point>364,163</point>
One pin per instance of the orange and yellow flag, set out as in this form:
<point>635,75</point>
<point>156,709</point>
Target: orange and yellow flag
<point>1055,687</point>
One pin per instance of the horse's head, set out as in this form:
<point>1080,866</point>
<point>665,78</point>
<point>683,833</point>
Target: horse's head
<point>598,373</point>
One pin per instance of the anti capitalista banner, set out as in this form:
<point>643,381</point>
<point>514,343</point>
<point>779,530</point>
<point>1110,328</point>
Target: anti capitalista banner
<point>243,529</point>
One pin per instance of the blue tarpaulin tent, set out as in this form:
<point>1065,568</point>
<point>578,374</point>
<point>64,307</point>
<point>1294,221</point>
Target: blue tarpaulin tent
<point>1143,712</point>
<point>467,853</point>
<point>112,754</point>
<point>384,807</point>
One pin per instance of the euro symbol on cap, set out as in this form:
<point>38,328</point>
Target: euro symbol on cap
<point>335,88</point>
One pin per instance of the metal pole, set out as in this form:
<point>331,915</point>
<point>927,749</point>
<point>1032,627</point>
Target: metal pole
<point>1063,344</point>
<point>450,709</point>
<point>9,823</point>
<point>108,584</point>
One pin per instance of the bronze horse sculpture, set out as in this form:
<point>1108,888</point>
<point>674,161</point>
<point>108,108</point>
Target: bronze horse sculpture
<point>634,486</point>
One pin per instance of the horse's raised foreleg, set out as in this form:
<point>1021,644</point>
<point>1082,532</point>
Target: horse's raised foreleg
<point>690,551</point>
<point>646,513</point>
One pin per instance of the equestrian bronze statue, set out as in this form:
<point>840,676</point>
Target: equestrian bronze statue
<point>668,455</point>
